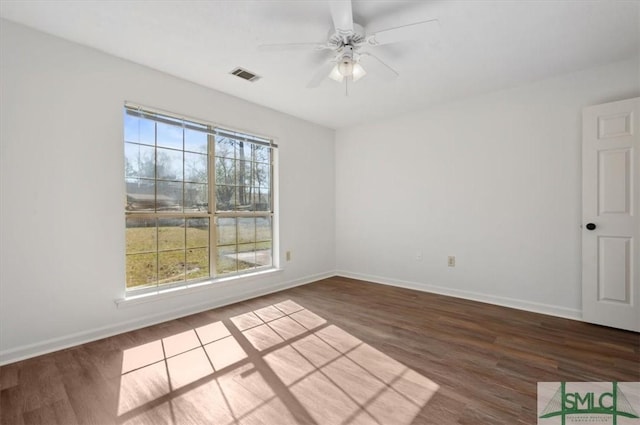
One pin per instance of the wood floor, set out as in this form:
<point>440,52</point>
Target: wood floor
<point>338,351</point>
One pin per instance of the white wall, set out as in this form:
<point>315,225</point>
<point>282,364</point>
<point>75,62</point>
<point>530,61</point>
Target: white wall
<point>62,191</point>
<point>494,180</point>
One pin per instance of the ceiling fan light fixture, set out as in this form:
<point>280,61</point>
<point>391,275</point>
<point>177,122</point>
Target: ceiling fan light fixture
<point>358,72</point>
<point>345,67</point>
<point>335,74</point>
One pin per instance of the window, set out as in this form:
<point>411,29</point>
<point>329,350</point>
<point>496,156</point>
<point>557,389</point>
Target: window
<point>199,200</point>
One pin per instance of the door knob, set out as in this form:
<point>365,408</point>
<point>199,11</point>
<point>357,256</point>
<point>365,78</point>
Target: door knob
<point>591,226</point>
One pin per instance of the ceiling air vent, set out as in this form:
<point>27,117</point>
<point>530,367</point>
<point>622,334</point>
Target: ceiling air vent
<point>244,74</point>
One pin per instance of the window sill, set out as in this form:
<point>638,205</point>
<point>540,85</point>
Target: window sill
<point>162,294</point>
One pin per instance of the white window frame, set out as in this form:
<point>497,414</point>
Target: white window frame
<point>211,214</point>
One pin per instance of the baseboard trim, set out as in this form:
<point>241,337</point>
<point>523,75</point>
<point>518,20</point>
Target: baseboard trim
<point>71,340</point>
<point>551,310</point>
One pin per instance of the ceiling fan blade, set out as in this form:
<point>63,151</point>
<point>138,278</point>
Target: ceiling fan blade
<point>377,66</point>
<point>278,47</point>
<point>317,58</point>
<point>342,15</point>
<point>322,73</point>
<point>405,32</point>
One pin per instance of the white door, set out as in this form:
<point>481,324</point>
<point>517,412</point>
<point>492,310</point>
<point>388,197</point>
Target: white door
<point>610,209</point>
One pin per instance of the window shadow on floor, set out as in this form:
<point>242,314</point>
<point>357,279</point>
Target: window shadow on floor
<point>279,364</point>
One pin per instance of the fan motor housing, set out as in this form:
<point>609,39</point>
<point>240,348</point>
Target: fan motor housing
<point>340,38</point>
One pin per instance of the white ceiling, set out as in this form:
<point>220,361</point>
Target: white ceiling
<point>481,46</point>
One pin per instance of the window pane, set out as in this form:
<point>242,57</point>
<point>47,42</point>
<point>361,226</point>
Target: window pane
<point>196,197</point>
<point>131,131</point>
<point>141,235</point>
<point>225,147</point>
<point>169,164</point>
<point>264,203</point>
<point>169,136</point>
<point>195,141</point>
<point>262,199</point>
<point>225,198</point>
<point>139,130</point>
<point>262,175</point>
<point>252,198</point>
<point>171,233</point>
<point>225,171</point>
<point>246,229</point>
<point>246,256</point>
<point>262,154</point>
<point>141,270</point>
<point>197,232</point>
<point>195,167</point>
<point>243,173</point>
<point>263,229</point>
<point>245,151</point>
<point>171,266</point>
<point>266,199</point>
<point>197,263</point>
<point>169,197</point>
<point>226,260</point>
<point>139,161</point>
<point>263,253</point>
<point>140,195</point>
<point>243,198</point>
<point>226,231</point>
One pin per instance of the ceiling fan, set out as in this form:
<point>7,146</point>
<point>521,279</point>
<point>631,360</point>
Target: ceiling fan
<point>349,44</point>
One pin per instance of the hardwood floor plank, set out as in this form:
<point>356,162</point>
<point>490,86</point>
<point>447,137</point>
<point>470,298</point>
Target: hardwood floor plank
<point>12,406</point>
<point>337,351</point>
<point>58,412</point>
<point>8,376</point>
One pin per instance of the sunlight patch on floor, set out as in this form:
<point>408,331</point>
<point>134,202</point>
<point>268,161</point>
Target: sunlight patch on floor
<point>278,364</point>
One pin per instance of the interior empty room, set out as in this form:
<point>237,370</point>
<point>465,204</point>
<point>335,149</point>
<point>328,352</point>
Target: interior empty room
<point>319,212</point>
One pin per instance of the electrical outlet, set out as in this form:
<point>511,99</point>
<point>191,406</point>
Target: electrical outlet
<point>418,255</point>
<point>451,261</point>
<point>288,255</point>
